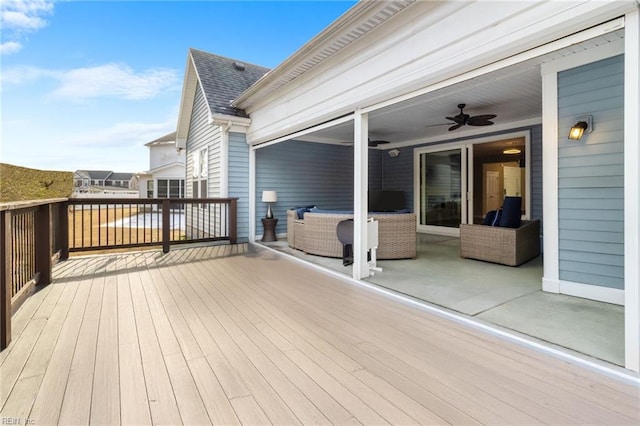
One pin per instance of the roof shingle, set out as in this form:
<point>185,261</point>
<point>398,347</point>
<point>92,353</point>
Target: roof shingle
<point>223,79</point>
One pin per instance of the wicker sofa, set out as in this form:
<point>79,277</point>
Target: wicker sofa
<point>316,234</point>
<point>507,246</point>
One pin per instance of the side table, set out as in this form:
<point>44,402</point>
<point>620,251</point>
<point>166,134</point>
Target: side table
<point>269,226</point>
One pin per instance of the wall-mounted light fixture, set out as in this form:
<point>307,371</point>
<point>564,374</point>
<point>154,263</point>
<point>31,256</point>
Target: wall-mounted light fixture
<point>393,153</point>
<point>582,124</point>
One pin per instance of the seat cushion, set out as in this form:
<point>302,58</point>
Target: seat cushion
<point>511,212</point>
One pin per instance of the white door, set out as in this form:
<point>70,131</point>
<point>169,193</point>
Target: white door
<point>492,191</point>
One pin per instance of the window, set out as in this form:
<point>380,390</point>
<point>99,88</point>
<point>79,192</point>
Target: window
<point>200,173</point>
<point>175,188</point>
<point>149,189</point>
<point>163,188</point>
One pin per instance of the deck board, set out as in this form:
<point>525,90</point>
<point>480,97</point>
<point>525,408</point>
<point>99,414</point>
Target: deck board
<point>235,334</point>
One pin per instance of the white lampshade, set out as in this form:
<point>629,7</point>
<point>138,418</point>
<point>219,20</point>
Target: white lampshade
<point>269,196</point>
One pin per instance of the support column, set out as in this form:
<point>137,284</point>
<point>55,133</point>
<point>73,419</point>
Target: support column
<point>550,278</point>
<point>252,194</point>
<point>632,191</point>
<point>360,186</point>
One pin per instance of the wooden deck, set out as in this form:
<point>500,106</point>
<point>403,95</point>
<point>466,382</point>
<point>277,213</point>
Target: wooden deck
<point>199,336</point>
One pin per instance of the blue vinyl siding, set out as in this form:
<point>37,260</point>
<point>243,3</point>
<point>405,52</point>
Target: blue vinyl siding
<point>239,180</point>
<point>305,173</point>
<point>591,175</point>
<point>203,135</point>
<point>398,174</point>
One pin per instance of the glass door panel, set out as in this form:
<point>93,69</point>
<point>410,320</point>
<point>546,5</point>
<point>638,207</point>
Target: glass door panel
<point>441,188</point>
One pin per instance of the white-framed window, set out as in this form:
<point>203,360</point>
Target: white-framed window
<point>170,188</point>
<point>200,173</point>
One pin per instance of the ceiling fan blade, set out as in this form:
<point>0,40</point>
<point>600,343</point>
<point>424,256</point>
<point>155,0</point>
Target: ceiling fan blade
<point>481,120</point>
<point>376,143</point>
<point>435,125</point>
<point>455,127</point>
<point>484,117</point>
<point>457,119</point>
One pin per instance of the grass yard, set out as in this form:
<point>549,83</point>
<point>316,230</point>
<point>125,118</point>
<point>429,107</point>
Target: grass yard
<point>100,227</point>
<point>24,184</point>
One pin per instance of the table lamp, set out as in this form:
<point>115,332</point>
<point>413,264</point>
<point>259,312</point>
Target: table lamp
<point>269,197</point>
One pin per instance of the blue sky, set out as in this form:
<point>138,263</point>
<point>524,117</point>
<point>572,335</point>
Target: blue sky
<point>85,84</point>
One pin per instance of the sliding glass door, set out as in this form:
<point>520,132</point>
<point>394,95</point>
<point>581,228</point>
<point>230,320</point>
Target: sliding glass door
<point>441,184</point>
<point>459,183</point>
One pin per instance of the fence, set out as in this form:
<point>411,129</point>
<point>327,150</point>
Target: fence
<point>37,234</point>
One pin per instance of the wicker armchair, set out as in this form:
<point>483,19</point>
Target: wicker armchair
<point>316,234</point>
<point>507,246</point>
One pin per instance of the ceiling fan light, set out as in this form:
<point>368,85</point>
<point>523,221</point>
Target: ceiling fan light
<point>511,151</point>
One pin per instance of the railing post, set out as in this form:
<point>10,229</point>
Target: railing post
<point>233,221</point>
<point>166,224</point>
<point>63,230</point>
<point>6,248</point>
<point>43,240</point>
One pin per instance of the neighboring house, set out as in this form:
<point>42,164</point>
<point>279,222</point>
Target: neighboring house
<point>166,175</point>
<point>95,183</point>
<point>395,71</point>
<point>81,182</point>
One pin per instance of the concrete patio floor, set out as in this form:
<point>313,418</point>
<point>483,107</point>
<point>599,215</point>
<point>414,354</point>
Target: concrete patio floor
<point>505,297</point>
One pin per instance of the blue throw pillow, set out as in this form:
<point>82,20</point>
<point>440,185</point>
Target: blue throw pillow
<point>496,218</point>
<point>489,218</point>
<point>511,212</point>
<point>302,210</point>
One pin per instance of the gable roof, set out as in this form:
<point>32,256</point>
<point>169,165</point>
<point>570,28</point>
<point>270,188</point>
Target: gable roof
<point>102,175</point>
<point>221,80</point>
<point>121,176</point>
<point>95,174</point>
<point>171,137</point>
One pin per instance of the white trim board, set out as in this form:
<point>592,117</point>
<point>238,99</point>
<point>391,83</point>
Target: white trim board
<point>585,291</point>
<point>632,190</point>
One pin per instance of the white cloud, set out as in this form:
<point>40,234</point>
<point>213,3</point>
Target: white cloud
<point>104,81</point>
<point>24,74</point>
<point>20,20</point>
<point>122,135</point>
<point>114,80</point>
<point>18,17</point>
<point>10,47</point>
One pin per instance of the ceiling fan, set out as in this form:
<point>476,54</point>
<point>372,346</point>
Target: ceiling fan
<point>372,144</point>
<point>463,119</point>
<point>376,143</point>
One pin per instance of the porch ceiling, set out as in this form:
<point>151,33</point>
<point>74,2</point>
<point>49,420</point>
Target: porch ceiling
<point>513,93</point>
